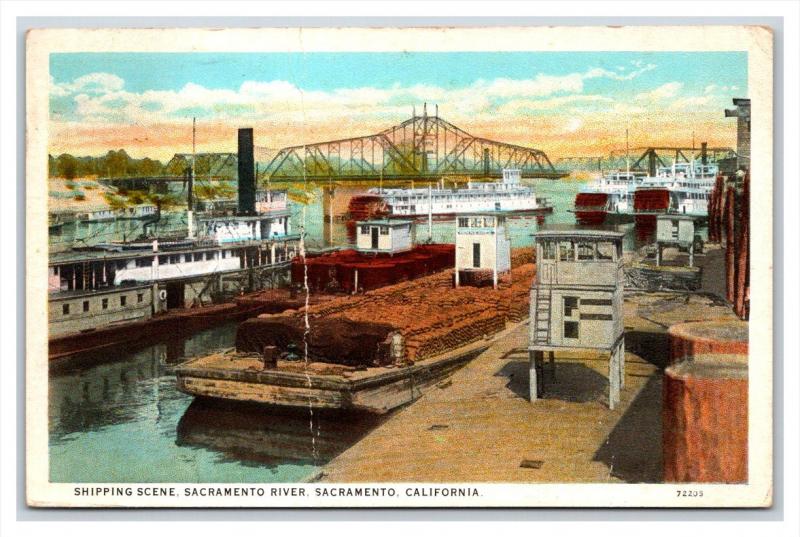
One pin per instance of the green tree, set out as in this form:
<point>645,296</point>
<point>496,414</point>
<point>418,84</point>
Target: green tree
<point>67,166</point>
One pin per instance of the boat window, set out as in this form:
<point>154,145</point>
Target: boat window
<point>144,262</point>
<point>605,250</point>
<point>585,251</point>
<point>549,250</point>
<point>209,256</point>
<point>463,222</point>
<point>566,251</point>
<point>198,256</point>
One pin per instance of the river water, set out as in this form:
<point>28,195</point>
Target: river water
<point>117,416</point>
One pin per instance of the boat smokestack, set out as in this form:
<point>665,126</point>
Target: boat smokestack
<point>247,177</point>
<point>704,152</point>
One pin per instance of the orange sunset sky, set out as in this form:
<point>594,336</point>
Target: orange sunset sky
<point>567,104</point>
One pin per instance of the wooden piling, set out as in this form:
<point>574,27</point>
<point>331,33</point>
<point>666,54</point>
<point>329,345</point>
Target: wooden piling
<point>742,272</point>
<point>730,244</point>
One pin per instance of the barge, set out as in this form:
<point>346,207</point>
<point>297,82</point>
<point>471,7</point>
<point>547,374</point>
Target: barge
<point>241,377</point>
<point>373,351</point>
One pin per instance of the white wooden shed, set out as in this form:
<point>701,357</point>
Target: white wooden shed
<point>482,244</point>
<point>576,301</point>
<point>384,236</point>
<point>674,230</point>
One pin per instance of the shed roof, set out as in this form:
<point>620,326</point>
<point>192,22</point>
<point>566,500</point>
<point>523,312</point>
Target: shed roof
<point>583,234</point>
<point>384,222</point>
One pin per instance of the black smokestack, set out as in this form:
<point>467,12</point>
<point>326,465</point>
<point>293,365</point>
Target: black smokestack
<point>704,153</point>
<point>247,176</point>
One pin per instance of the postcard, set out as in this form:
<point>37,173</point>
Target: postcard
<point>399,267</point>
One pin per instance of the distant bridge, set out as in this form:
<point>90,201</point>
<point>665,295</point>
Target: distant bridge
<point>423,146</point>
<point>665,155</point>
<point>207,166</point>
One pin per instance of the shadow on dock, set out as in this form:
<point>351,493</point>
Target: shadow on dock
<point>256,435</point>
<point>632,450</point>
<point>574,382</point>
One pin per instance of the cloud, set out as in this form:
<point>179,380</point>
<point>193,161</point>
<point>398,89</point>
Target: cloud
<point>102,97</point>
<point>688,103</point>
<point>94,83</point>
<point>640,69</point>
<point>665,91</point>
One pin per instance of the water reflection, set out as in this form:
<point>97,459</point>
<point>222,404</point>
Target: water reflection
<point>120,418</point>
<point>249,434</point>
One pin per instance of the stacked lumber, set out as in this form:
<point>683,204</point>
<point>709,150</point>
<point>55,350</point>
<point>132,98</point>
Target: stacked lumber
<point>523,256</point>
<point>432,316</point>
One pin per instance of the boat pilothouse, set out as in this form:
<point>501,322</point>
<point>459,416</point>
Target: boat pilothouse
<point>508,195</point>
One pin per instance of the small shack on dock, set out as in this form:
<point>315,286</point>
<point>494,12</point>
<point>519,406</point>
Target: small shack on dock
<point>576,301</point>
<point>483,248</point>
<point>674,230</point>
<point>384,236</point>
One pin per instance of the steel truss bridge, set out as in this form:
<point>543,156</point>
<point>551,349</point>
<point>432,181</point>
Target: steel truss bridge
<point>655,156</point>
<point>424,146</point>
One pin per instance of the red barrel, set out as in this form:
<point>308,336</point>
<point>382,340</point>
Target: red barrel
<point>725,336</point>
<point>705,420</point>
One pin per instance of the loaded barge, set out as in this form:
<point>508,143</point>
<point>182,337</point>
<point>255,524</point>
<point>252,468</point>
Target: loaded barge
<point>372,351</point>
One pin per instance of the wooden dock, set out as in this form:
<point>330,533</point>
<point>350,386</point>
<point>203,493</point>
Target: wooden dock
<point>480,427</point>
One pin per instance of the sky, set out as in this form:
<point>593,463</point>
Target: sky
<point>565,103</point>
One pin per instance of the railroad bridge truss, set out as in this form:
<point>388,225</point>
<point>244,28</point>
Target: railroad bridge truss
<point>424,146</point>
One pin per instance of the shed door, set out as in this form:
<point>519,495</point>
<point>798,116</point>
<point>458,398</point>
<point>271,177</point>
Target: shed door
<point>476,255</point>
<point>374,238</point>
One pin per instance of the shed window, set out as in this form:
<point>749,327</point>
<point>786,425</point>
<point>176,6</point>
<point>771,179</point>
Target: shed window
<point>123,300</point>
<point>105,303</point>
<point>139,297</point>
<point>365,230</point>
<point>571,329</point>
<point>85,305</point>
<point>384,230</point>
<point>65,309</point>
<point>585,251</point>
<point>566,251</point>
<point>549,250</point>
<point>570,303</point>
<point>605,250</point>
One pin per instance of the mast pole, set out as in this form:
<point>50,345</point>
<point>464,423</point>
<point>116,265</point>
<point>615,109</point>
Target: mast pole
<point>190,199</point>
<point>627,154</point>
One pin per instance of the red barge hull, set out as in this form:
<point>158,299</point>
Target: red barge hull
<point>338,271</point>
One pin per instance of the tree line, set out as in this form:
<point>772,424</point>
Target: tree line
<point>112,164</point>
